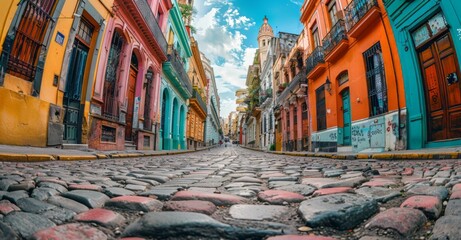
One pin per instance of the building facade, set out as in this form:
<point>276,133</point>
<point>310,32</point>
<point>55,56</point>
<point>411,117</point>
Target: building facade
<point>176,86</point>
<point>213,126</point>
<point>50,50</point>
<point>428,35</point>
<point>197,114</point>
<point>126,91</point>
<point>354,77</point>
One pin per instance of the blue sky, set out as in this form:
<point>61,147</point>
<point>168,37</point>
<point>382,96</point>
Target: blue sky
<point>227,33</point>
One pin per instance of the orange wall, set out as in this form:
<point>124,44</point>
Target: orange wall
<point>353,62</point>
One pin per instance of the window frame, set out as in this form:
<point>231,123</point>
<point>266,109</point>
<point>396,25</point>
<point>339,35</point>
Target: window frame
<point>376,80</point>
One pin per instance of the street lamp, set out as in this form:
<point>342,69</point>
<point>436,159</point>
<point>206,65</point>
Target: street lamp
<point>328,85</point>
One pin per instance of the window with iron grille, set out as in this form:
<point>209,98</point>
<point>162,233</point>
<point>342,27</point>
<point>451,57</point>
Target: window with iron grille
<point>315,35</point>
<point>29,37</point>
<point>270,121</point>
<point>377,91</point>
<point>332,11</point>
<point>295,115</point>
<point>321,108</point>
<point>304,108</point>
<point>110,83</point>
<point>265,124</point>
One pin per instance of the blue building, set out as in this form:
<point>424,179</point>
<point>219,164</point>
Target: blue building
<point>428,37</point>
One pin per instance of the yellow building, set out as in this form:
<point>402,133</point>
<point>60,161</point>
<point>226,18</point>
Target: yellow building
<point>197,114</point>
<point>49,53</point>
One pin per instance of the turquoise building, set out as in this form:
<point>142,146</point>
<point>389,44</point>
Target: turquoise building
<point>176,87</point>
<point>428,37</point>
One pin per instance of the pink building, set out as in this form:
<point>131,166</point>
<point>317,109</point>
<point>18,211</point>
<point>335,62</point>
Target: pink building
<point>125,102</point>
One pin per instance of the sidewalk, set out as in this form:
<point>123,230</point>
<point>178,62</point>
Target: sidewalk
<point>420,154</point>
<point>36,154</point>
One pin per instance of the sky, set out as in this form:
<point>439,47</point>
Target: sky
<point>227,32</point>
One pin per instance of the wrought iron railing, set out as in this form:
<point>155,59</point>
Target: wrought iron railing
<point>151,21</point>
<point>110,107</point>
<point>317,56</point>
<point>356,10</point>
<point>336,34</point>
<point>265,95</point>
<point>196,95</point>
<point>300,78</point>
<point>178,65</point>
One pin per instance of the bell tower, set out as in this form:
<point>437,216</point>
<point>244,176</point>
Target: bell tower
<point>264,37</point>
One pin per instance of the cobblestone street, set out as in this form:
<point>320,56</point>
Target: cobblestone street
<point>231,193</point>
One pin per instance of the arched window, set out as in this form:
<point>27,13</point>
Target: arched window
<point>111,77</point>
<point>342,78</point>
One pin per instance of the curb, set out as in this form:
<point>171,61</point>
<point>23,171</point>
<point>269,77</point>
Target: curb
<point>374,156</point>
<point>14,157</point>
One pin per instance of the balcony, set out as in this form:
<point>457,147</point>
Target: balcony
<point>360,14</point>
<point>315,63</point>
<point>266,94</point>
<point>174,69</point>
<point>295,83</point>
<point>198,99</point>
<point>214,112</point>
<point>148,24</point>
<point>335,42</point>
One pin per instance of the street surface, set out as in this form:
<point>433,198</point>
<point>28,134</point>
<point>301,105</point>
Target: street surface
<point>231,193</point>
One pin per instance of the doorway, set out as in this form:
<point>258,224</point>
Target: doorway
<point>346,118</point>
<point>131,95</point>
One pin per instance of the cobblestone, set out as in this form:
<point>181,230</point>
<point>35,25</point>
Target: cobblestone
<point>231,193</point>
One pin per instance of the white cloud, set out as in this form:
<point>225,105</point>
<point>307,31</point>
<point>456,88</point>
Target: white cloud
<point>297,2</point>
<point>219,34</point>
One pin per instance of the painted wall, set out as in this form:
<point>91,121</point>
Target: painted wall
<point>405,17</point>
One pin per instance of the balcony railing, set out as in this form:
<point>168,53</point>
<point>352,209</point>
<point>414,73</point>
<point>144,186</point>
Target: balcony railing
<point>317,56</point>
<point>265,95</point>
<point>356,10</point>
<point>300,78</point>
<point>201,103</point>
<point>178,65</point>
<point>336,35</point>
<point>214,112</point>
<point>151,21</point>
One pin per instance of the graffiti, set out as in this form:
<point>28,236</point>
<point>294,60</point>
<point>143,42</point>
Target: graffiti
<point>459,33</point>
<point>333,136</point>
<point>358,135</point>
<point>391,126</point>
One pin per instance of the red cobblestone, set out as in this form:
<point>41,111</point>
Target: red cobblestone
<point>7,207</point>
<point>456,188</point>
<point>408,171</point>
<point>300,237</point>
<point>327,191</point>
<point>204,207</point>
<point>430,205</point>
<point>456,195</point>
<point>101,216</point>
<point>135,203</point>
<point>73,231</point>
<point>405,221</point>
<point>280,196</point>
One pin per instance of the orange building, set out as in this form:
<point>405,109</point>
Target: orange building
<point>355,82</point>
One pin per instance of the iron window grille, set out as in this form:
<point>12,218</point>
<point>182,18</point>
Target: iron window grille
<point>111,83</point>
<point>28,41</point>
<point>321,108</point>
<point>304,108</point>
<point>376,81</point>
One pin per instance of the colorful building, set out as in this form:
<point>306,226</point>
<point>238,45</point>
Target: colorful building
<point>196,116</point>
<point>356,93</point>
<point>176,87</point>
<point>291,97</point>
<point>213,125</point>
<point>126,91</point>
<point>428,37</point>
<point>50,51</point>
<point>252,126</point>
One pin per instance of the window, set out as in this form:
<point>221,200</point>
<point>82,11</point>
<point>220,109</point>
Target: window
<point>315,35</point>
<point>295,115</point>
<point>110,83</point>
<point>321,108</point>
<point>29,37</point>
<point>343,78</point>
<point>332,11</point>
<point>377,92</point>
<point>304,108</point>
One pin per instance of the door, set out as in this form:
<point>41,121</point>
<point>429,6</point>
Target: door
<point>442,87</point>
<point>73,93</point>
<point>129,112</point>
<point>346,118</point>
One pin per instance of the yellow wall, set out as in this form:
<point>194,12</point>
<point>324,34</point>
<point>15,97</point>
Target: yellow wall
<point>7,12</point>
<point>23,119</point>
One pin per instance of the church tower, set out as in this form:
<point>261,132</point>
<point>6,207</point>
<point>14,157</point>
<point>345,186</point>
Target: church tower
<point>264,37</point>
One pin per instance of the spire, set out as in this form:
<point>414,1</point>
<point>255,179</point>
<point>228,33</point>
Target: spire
<point>266,29</point>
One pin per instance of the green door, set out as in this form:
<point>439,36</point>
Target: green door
<point>347,118</point>
<point>72,96</point>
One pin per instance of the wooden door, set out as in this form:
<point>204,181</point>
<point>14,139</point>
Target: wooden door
<point>346,118</point>
<point>129,112</point>
<point>278,136</point>
<point>442,88</point>
<point>73,94</point>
